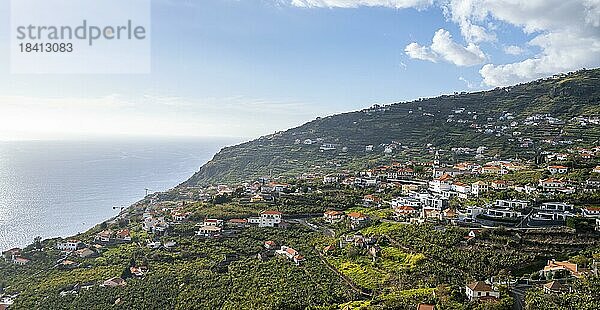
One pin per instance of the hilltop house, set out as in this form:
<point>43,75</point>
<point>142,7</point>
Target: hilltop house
<point>480,291</point>
<point>596,169</point>
<point>9,254</point>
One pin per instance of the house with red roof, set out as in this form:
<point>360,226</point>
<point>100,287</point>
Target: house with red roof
<point>19,260</point>
<point>480,291</point>
<point>556,287</point>
<point>591,211</point>
<point>123,235</point>
<point>357,219</point>
<point>270,244</point>
<point>291,254</point>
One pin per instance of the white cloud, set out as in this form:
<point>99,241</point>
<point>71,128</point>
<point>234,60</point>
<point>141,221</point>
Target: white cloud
<point>513,50</point>
<point>397,4</point>
<point>567,34</point>
<point>466,14</point>
<point>444,48</point>
<point>416,51</point>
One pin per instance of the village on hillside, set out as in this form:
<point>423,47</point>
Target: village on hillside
<point>524,230</point>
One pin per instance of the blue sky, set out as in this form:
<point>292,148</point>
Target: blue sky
<point>248,68</point>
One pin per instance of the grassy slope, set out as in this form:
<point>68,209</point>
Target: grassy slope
<point>576,94</point>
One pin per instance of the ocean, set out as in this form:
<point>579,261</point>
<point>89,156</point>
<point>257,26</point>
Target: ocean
<point>59,188</point>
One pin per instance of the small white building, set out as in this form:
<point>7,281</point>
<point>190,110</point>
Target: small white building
<point>333,216</point>
<point>558,169</point>
<point>68,245</point>
<point>270,219</point>
<point>511,203</point>
<point>481,290</point>
<point>441,184</point>
<point>479,187</point>
<point>331,179</point>
<point>208,231</point>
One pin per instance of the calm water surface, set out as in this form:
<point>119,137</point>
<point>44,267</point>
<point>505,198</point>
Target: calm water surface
<point>60,188</point>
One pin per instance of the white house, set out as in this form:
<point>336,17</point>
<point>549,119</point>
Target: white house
<point>552,184</point>
<point>441,184</point>
<point>512,204</point>
<point>269,219</point>
<point>208,231</point>
<point>502,213</point>
<point>333,216</point>
<point>479,187</point>
<point>213,222</point>
<point>481,290</point>
<point>462,189</point>
<point>330,179</point>
<point>405,201</point>
<point>590,211</point>
<point>357,220</point>
<point>556,206</point>
<point>68,245</point>
<point>291,254</point>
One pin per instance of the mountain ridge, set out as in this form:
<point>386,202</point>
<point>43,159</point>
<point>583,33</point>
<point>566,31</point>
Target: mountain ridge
<point>460,120</point>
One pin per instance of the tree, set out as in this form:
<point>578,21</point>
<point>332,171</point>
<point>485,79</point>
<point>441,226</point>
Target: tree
<point>37,242</point>
<point>126,274</point>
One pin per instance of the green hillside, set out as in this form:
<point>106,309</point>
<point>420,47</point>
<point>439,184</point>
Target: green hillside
<point>458,120</point>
